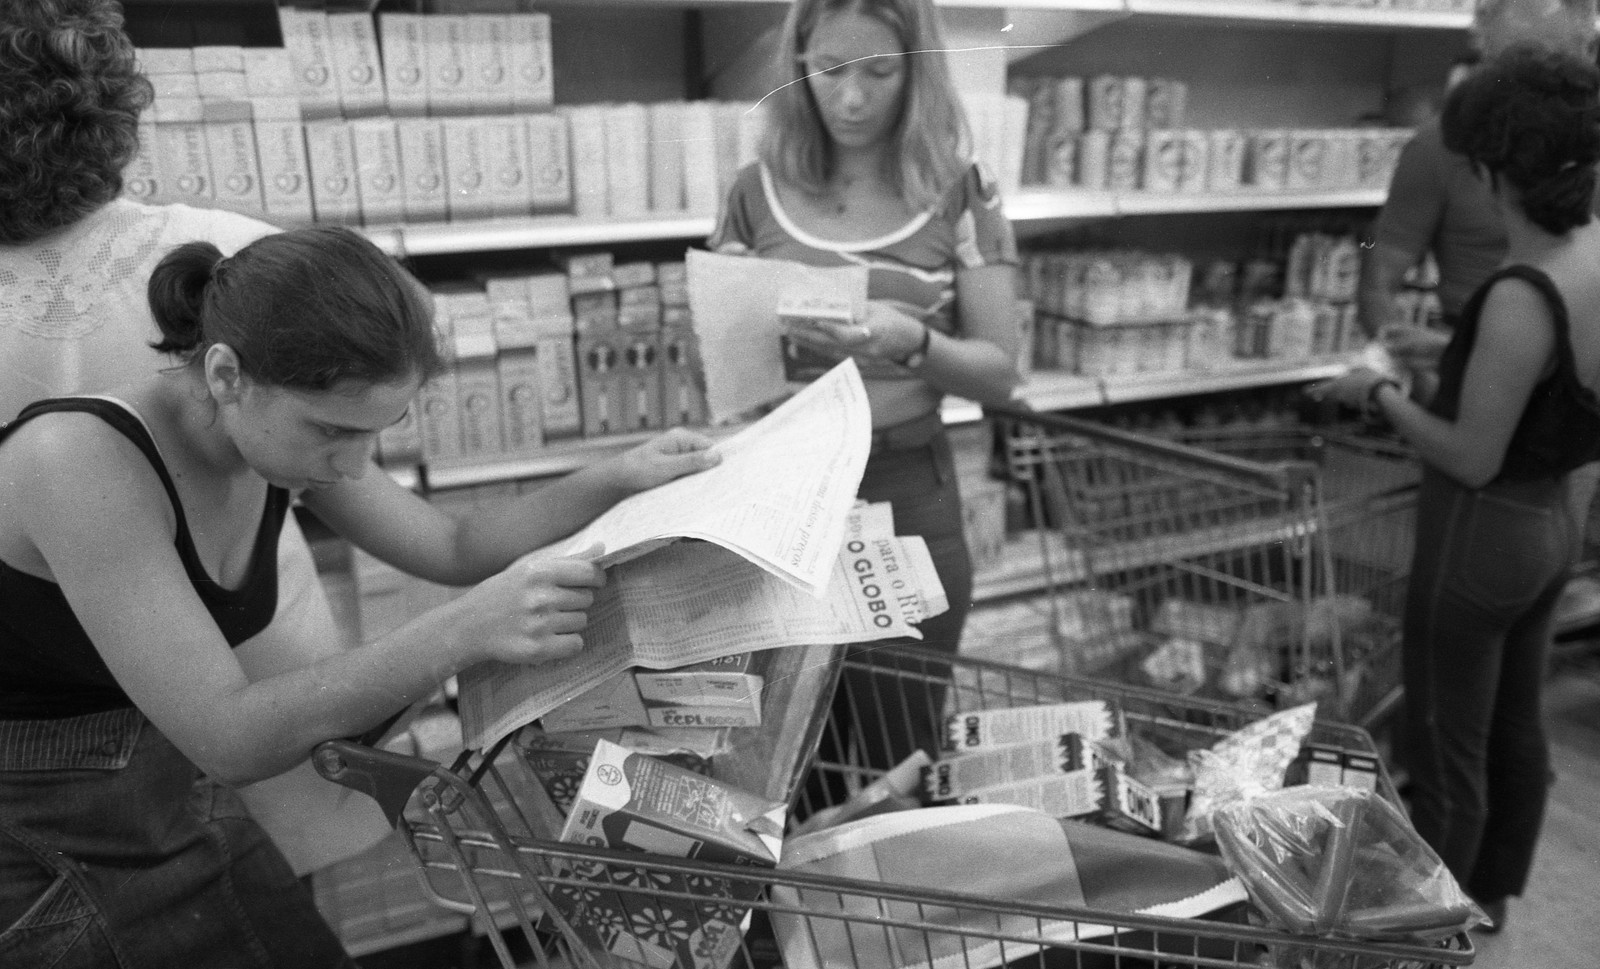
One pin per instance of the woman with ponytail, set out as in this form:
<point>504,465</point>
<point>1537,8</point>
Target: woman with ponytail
<point>138,537</point>
<point>1500,516</point>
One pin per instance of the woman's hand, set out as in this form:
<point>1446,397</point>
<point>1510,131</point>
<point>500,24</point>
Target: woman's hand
<point>882,330</point>
<point>661,459</point>
<point>533,611</point>
<point>1353,389</point>
<point>1414,347</point>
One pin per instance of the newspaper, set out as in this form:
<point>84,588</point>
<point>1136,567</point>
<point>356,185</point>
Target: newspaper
<point>695,601</point>
<point>779,498</point>
<point>734,300</point>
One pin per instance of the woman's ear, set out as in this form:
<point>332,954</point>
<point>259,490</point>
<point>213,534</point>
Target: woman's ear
<point>224,375</point>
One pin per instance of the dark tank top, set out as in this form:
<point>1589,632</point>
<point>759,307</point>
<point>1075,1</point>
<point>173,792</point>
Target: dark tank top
<point>49,668</point>
<point>1560,428</point>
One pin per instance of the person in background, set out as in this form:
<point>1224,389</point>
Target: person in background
<point>1499,514</point>
<point>867,161</point>
<point>1435,204</point>
<point>137,547</point>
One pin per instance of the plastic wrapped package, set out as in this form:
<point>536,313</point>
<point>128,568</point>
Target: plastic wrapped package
<point>1245,764</point>
<point>1342,863</point>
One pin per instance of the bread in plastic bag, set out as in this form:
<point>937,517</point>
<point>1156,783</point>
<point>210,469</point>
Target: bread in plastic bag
<point>1246,763</point>
<point>1340,862</point>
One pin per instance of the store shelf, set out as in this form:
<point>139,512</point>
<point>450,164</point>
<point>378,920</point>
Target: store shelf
<point>1158,203</point>
<point>1308,15</point>
<point>1244,375</point>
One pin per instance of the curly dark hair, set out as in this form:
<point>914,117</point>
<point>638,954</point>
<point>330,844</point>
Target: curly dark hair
<point>1532,117</point>
<point>70,97</point>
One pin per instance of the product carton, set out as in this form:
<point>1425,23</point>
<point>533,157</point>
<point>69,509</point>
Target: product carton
<point>353,49</point>
<point>377,152</point>
<point>631,277</point>
<point>305,37</point>
<point>268,72</point>
<point>174,87</point>
<point>953,777</point>
<point>594,310</point>
<point>532,75</point>
<point>1268,160</point>
<point>634,802</point>
<point>1225,160</point>
<point>450,87</point>
<point>477,379</point>
<point>1094,160</point>
<point>705,716</point>
<point>181,152</point>
<point>334,194</point>
<point>683,393</point>
<point>1105,102</point>
<point>985,729</point>
<point>600,381</point>
<point>505,152</point>
<point>560,760</point>
<point>466,169</point>
<point>1125,160</point>
<point>1163,161</point>
<point>438,422</point>
<point>548,297</point>
<point>640,379</point>
<point>159,61</point>
<point>701,192</point>
<point>231,145</point>
<point>612,704</point>
<point>487,40</point>
<point>588,271</point>
<point>727,681</point>
<point>1329,766</point>
<point>422,164</point>
<point>281,149</point>
<point>1196,151</point>
<point>666,156</point>
<point>561,401</point>
<point>517,365</point>
<point>405,62</point>
<point>1135,92</point>
<point>549,162</point>
<point>221,86</point>
<point>141,179</point>
<point>1165,103</point>
<point>1309,158</point>
<point>590,179</point>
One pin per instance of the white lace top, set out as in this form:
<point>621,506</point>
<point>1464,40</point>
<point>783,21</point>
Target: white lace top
<point>73,310</point>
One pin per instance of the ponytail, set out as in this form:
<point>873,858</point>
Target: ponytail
<point>177,294</point>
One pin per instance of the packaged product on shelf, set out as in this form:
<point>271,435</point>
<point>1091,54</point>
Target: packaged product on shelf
<point>422,164</point>
<point>376,143</point>
<point>594,310</point>
<point>404,48</point>
<point>978,730</point>
<point>702,193</point>
<point>666,156</point>
<point>673,278</point>
<point>633,802</point>
<point>219,72</point>
<point>1125,160</point>
<point>587,271</point>
<point>1195,171</point>
<point>181,151</point>
<point>235,165</point>
<point>353,51</point>
<point>549,163</point>
<point>329,149</point>
<point>627,148</point>
<point>466,169</point>
<point>516,340</point>
<point>611,704</point>
<point>634,275</point>
<point>600,384</point>
<point>1268,160</point>
<point>1040,95</point>
<point>478,386</point>
<point>281,151</point>
<point>1290,337</point>
<point>1105,102</point>
<point>590,183</point>
<point>450,88</point>
<point>505,158</point>
<point>728,680</point>
<point>1166,103</point>
<point>268,72</point>
<point>1308,168</point>
<point>488,60</point>
<point>529,54</point>
<point>174,87</point>
<point>1068,106</point>
<point>305,37</point>
<point>141,178</point>
<point>1225,159</point>
<point>438,423</point>
<point>1163,161</point>
<point>953,777</point>
<point>683,396</point>
<point>639,376</point>
<point>1135,91</point>
<point>560,402</point>
<point>157,62</point>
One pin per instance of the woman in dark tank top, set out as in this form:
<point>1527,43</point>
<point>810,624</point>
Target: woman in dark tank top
<point>1501,510</point>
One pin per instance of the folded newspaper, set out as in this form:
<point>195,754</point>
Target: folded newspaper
<point>779,498</point>
<point>695,601</point>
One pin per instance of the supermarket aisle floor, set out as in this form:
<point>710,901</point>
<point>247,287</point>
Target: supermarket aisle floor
<point>1554,925</point>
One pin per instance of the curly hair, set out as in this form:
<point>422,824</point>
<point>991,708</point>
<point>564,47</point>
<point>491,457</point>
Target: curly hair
<point>1532,117</point>
<point>70,97</point>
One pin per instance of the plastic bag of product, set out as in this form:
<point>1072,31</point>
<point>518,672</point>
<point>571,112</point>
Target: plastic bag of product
<point>1343,863</point>
<point>1247,763</point>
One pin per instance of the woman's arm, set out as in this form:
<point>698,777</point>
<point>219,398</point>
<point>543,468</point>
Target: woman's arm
<point>411,534</point>
<point>1513,348</point>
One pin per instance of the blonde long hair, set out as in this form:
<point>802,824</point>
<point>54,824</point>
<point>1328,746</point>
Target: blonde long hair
<point>931,141</point>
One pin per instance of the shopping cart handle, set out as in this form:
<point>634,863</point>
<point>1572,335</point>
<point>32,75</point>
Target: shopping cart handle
<point>386,777</point>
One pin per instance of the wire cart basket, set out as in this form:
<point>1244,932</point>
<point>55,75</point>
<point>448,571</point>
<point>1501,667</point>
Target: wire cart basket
<point>479,833</point>
<point>1260,564</point>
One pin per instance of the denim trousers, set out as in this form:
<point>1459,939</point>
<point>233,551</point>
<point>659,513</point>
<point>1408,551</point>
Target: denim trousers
<point>886,716</point>
<point>1489,566</point>
<point>116,853</point>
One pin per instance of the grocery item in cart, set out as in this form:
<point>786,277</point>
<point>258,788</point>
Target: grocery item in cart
<point>631,802</point>
<point>1340,862</point>
<point>1247,763</point>
<point>975,730</point>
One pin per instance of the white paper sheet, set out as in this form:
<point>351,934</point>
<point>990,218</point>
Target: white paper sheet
<point>734,300</point>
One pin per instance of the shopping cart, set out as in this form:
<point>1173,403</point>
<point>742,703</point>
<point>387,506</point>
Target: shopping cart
<point>1265,564</point>
<point>480,832</point>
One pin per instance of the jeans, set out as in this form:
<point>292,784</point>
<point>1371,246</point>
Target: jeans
<point>1489,566</point>
<point>116,852</point>
<point>884,717</point>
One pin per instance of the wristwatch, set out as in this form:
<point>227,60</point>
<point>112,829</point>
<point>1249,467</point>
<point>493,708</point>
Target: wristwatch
<point>917,357</point>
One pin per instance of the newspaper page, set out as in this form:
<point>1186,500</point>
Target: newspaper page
<point>779,498</point>
<point>734,300</point>
<point>694,601</point>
